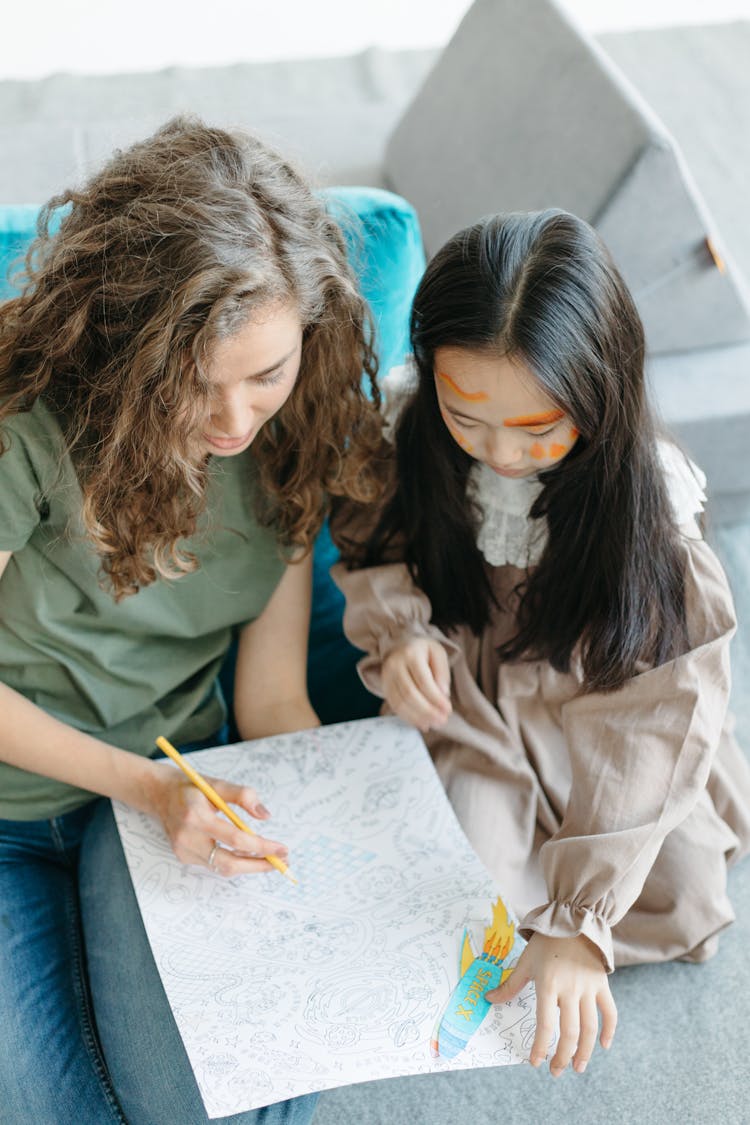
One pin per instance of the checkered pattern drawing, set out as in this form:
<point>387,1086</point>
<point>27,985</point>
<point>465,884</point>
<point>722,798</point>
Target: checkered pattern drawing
<point>321,865</point>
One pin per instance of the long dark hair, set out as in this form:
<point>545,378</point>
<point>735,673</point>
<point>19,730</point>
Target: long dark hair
<point>542,288</point>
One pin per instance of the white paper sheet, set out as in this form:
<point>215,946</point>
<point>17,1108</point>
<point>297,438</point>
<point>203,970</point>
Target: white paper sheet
<point>280,990</point>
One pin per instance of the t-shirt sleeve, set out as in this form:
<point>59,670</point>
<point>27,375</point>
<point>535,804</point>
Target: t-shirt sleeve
<point>21,495</point>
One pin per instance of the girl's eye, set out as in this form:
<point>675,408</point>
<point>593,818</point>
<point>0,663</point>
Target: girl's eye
<point>541,433</point>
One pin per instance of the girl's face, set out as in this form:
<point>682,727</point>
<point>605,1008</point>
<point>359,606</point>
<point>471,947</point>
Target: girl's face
<point>497,412</point>
<point>252,375</point>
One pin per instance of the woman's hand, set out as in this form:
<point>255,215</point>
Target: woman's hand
<point>569,975</point>
<point>416,683</point>
<point>193,826</point>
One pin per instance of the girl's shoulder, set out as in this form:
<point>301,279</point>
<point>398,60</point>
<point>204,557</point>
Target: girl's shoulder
<point>397,388</point>
<point>686,485</point>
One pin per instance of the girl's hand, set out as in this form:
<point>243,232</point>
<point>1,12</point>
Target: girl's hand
<point>416,683</point>
<point>569,975</point>
<point>193,825</point>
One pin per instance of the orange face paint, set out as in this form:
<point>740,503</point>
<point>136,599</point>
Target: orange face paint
<point>477,396</point>
<point>455,434</point>
<point>573,433</point>
<point>537,451</point>
<point>545,419</point>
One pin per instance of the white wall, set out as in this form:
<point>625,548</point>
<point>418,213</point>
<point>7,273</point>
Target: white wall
<point>106,36</point>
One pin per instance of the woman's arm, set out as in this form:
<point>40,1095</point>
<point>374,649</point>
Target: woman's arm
<point>271,677</point>
<point>32,740</point>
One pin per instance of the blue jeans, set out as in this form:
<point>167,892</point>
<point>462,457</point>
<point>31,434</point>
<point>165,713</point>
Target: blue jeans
<point>78,986</point>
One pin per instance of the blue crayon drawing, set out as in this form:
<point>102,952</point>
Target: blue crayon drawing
<point>466,1008</point>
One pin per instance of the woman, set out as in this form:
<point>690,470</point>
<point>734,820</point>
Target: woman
<point>179,379</point>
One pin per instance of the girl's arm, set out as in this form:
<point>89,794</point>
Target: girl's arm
<point>408,658</point>
<point>271,677</point>
<point>640,759</point>
<point>33,740</point>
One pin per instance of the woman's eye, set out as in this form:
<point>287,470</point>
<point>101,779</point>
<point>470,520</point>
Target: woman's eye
<point>541,433</point>
<point>269,379</point>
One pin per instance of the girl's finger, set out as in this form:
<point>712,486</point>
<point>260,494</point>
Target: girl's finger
<point>417,709</point>
<point>407,703</point>
<point>545,1028</point>
<point>570,1030</point>
<point>509,989</point>
<point>423,676</point>
<point>608,1009</point>
<point>438,661</point>
<point>589,1023</point>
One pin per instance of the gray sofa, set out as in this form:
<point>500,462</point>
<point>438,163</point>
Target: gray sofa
<point>647,134</point>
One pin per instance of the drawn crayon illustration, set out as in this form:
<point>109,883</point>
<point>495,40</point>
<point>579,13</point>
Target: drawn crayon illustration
<point>467,1007</point>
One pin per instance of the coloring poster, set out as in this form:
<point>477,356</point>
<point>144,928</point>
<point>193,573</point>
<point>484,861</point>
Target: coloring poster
<point>375,965</point>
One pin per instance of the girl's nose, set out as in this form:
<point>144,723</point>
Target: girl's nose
<point>503,448</point>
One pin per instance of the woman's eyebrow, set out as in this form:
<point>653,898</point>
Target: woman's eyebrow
<point>273,367</point>
<point>468,396</point>
<point>542,419</point>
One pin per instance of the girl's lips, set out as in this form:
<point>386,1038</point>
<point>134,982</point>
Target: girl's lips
<point>508,472</point>
<point>226,442</point>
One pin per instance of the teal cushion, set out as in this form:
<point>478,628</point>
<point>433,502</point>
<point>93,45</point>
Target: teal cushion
<point>385,247</point>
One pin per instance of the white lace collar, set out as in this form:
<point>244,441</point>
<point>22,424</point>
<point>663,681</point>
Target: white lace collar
<point>507,535</point>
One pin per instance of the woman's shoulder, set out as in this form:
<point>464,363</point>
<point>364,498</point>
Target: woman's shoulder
<point>35,427</point>
<point>32,441</point>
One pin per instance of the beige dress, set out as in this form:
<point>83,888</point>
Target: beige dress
<point>612,815</point>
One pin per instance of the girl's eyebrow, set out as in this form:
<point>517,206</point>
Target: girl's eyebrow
<point>468,396</point>
<point>460,414</point>
<point>536,419</point>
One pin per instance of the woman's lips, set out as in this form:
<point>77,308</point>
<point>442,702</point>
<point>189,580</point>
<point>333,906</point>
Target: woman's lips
<point>228,442</point>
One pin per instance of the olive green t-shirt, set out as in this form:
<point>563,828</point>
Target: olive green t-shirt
<point>128,671</point>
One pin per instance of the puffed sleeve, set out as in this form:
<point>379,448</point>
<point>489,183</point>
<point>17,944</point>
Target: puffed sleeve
<point>640,759</point>
<point>383,609</point>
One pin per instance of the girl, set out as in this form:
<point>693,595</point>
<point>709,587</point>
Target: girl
<point>536,596</point>
<point>178,382</point>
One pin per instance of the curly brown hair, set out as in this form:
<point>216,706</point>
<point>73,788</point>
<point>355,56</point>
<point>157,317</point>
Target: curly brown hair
<point>167,251</point>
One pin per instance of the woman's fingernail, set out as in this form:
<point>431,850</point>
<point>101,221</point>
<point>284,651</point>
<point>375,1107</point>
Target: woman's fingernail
<point>261,810</point>
<point>581,1067</point>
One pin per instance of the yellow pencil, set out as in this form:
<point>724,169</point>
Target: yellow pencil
<point>217,801</point>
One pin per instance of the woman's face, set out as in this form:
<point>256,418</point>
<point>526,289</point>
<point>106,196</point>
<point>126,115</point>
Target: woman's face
<point>497,412</point>
<point>252,375</point>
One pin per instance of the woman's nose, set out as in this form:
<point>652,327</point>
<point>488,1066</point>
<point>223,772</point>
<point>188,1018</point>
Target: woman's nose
<point>233,415</point>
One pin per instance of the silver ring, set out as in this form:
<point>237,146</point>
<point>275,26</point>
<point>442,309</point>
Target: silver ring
<point>212,855</point>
